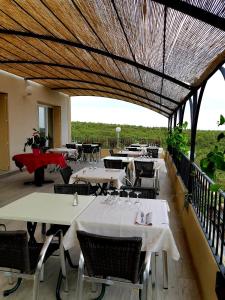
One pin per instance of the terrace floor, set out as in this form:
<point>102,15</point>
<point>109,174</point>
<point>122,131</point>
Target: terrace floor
<point>182,278</point>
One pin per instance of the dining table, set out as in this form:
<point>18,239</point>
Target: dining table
<point>36,163</point>
<point>45,208</point>
<point>118,217</point>
<point>100,176</point>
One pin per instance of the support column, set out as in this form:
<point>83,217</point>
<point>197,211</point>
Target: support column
<point>181,114</point>
<point>195,107</point>
<point>174,119</point>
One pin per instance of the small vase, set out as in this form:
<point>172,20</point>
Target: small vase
<point>36,151</point>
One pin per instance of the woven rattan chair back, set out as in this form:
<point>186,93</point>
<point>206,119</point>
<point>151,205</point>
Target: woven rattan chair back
<point>79,188</point>
<point>111,152</point>
<point>120,154</point>
<point>146,193</point>
<point>144,169</point>
<point>154,153</point>
<point>66,173</point>
<point>132,149</point>
<point>113,164</point>
<point>71,146</point>
<point>111,256</point>
<point>14,251</point>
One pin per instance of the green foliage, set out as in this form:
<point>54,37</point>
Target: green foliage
<point>214,159</point>
<point>106,134</point>
<point>215,187</point>
<point>36,141</point>
<point>178,138</point>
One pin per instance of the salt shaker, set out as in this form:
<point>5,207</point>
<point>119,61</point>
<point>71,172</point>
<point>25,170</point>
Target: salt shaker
<point>75,199</point>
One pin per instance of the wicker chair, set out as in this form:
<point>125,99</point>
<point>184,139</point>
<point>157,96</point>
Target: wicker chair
<point>111,152</point>
<point>66,173</point>
<point>71,146</point>
<point>88,151</point>
<point>132,149</point>
<point>120,154</point>
<point>111,261</point>
<point>24,261</point>
<point>113,164</point>
<point>79,188</point>
<point>153,152</point>
<point>143,169</point>
<point>145,193</point>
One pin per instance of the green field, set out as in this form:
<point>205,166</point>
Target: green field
<point>105,134</point>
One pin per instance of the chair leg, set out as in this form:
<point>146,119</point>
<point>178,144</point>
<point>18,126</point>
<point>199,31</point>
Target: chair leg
<point>36,287</point>
<point>42,273</point>
<point>63,265</point>
<point>13,289</point>
<point>80,280</point>
<point>100,297</point>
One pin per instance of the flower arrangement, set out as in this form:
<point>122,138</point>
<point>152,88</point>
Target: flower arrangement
<point>37,140</point>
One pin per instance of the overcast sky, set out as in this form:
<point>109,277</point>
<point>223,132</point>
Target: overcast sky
<point>105,110</point>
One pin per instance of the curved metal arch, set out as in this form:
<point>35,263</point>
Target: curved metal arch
<point>112,93</point>
<point>108,86</point>
<point>94,50</point>
<point>103,75</point>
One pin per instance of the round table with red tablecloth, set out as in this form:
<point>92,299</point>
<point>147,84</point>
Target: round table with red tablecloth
<point>37,162</point>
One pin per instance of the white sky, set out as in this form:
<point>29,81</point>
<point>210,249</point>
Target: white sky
<point>105,110</point>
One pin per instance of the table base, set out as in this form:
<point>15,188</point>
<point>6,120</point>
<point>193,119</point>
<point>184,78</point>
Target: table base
<point>39,177</point>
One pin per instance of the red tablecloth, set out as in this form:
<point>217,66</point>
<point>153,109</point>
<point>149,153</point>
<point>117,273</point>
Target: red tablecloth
<point>33,162</point>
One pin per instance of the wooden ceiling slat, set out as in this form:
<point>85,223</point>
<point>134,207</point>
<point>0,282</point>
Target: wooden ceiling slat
<point>113,45</point>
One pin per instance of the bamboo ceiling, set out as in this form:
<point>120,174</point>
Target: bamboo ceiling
<point>153,53</point>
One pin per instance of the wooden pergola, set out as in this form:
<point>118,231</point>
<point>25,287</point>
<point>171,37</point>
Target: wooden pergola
<point>152,53</point>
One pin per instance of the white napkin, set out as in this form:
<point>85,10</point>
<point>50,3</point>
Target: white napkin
<point>144,219</point>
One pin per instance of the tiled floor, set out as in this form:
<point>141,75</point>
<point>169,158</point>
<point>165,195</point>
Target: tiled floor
<point>182,279</point>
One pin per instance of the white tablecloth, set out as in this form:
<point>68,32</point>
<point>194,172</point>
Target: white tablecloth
<point>119,220</point>
<point>63,150</point>
<point>99,175</point>
<point>133,153</point>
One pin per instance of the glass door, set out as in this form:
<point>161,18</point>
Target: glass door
<point>45,122</point>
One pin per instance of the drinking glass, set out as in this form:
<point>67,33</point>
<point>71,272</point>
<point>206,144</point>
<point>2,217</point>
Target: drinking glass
<point>137,193</point>
<point>128,196</point>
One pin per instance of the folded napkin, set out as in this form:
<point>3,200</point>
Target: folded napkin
<point>144,219</point>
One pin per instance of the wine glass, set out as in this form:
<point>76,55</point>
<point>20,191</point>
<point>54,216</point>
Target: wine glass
<point>109,197</point>
<point>137,193</point>
<point>128,191</point>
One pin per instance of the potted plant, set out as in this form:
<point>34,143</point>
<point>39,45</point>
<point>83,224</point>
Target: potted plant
<point>36,142</point>
<point>177,139</point>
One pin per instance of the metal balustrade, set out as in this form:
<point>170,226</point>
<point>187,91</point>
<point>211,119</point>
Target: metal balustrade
<point>207,204</point>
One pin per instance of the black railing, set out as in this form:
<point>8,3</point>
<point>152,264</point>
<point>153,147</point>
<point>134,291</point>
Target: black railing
<point>209,206</point>
<point>112,142</point>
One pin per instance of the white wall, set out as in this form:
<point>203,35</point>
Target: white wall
<point>23,110</point>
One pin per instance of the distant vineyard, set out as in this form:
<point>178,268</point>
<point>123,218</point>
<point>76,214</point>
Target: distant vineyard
<point>106,135</point>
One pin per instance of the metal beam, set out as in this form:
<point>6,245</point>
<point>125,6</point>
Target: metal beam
<point>94,50</point>
<point>112,87</point>
<point>195,113</point>
<point>195,12</point>
<point>133,99</point>
<point>95,73</point>
<point>222,70</point>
